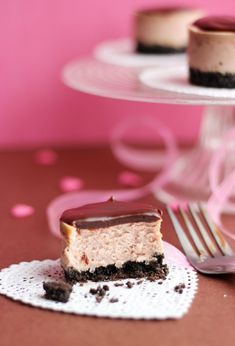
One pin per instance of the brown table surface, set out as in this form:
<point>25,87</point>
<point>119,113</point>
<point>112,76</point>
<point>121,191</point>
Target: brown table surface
<point>210,321</point>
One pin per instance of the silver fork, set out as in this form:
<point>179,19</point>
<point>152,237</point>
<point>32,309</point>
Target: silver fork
<point>205,256</point>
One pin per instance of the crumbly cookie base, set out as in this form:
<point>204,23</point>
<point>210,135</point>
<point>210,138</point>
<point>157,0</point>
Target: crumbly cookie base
<point>154,270</point>
<point>212,79</point>
<point>156,49</point>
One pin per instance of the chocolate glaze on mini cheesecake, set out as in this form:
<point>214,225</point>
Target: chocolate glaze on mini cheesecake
<point>212,52</point>
<point>216,23</point>
<point>164,30</point>
<point>110,213</point>
<point>112,240</point>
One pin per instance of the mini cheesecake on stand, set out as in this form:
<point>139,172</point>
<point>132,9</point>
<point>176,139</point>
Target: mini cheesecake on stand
<point>112,240</point>
<point>164,30</point>
<point>211,52</point>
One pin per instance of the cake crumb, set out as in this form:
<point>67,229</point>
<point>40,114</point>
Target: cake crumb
<point>57,291</point>
<point>139,282</point>
<point>129,284</point>
<point>99,292</point>
<point>179,288</point>
<point>113,300</point>
<point>99,298</point>
<point>93,291</point>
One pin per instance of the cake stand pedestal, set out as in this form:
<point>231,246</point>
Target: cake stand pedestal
<point>189,176</point>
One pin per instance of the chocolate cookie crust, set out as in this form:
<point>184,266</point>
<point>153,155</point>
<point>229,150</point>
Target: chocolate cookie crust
<point>57,291</point>
<point>156,49</point>
<point>154,269</point>
<point>212,79</point>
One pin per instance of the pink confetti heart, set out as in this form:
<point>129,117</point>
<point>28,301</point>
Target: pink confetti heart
<point>46,157</point>
<point>68,184</point>
<point>130,179</point>
<point>22,210</point>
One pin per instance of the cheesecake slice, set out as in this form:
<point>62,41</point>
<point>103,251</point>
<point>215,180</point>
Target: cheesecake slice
<point>112,240</point>
<point>164,30</point>
<point>211,52</point>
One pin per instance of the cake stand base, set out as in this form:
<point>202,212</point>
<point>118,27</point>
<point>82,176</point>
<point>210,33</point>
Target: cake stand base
<point>189,179</point>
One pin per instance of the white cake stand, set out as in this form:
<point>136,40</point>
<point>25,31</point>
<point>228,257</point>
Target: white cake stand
<point>189,176</point>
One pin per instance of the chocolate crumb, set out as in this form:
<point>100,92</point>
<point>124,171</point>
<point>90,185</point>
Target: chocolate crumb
<point>129,284</point>
<point>113,300</point>
<point>101,292</point>
<point>179,288</point>
<point>93,291</point>
<point>139,282</point>
<point>159,282</point>
<point>117,284</point>
<point>57,291</point>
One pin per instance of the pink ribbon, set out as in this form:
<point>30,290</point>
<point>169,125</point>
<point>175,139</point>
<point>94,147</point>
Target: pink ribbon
<point>219,200</point>
<point>149,160</point>
<point>145,160</point>
<point>134,158</point>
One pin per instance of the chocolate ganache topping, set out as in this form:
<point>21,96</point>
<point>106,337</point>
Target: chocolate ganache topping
<point>110,212</point>
<point>164,10</point>
<point>216,23</point>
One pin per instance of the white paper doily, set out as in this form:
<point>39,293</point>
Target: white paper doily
<point>175,79</point>
<point>122,52</point>
<point>148,300</point>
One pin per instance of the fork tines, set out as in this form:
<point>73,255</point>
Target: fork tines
<point>208,241</point>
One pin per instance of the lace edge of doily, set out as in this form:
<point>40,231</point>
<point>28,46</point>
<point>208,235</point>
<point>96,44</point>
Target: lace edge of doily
<point>41,305</point>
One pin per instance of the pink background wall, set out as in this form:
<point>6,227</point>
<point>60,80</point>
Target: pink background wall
<point>37,38</point>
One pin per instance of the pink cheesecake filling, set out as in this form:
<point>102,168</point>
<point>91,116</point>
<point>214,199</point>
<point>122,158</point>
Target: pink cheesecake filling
<point>211,51</point>
<point>165,28</point>
<point>85,249</point>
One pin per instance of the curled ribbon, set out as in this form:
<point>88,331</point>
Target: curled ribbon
<point>134,158</point>
<point>219,200</point>
<point>138,158</point>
